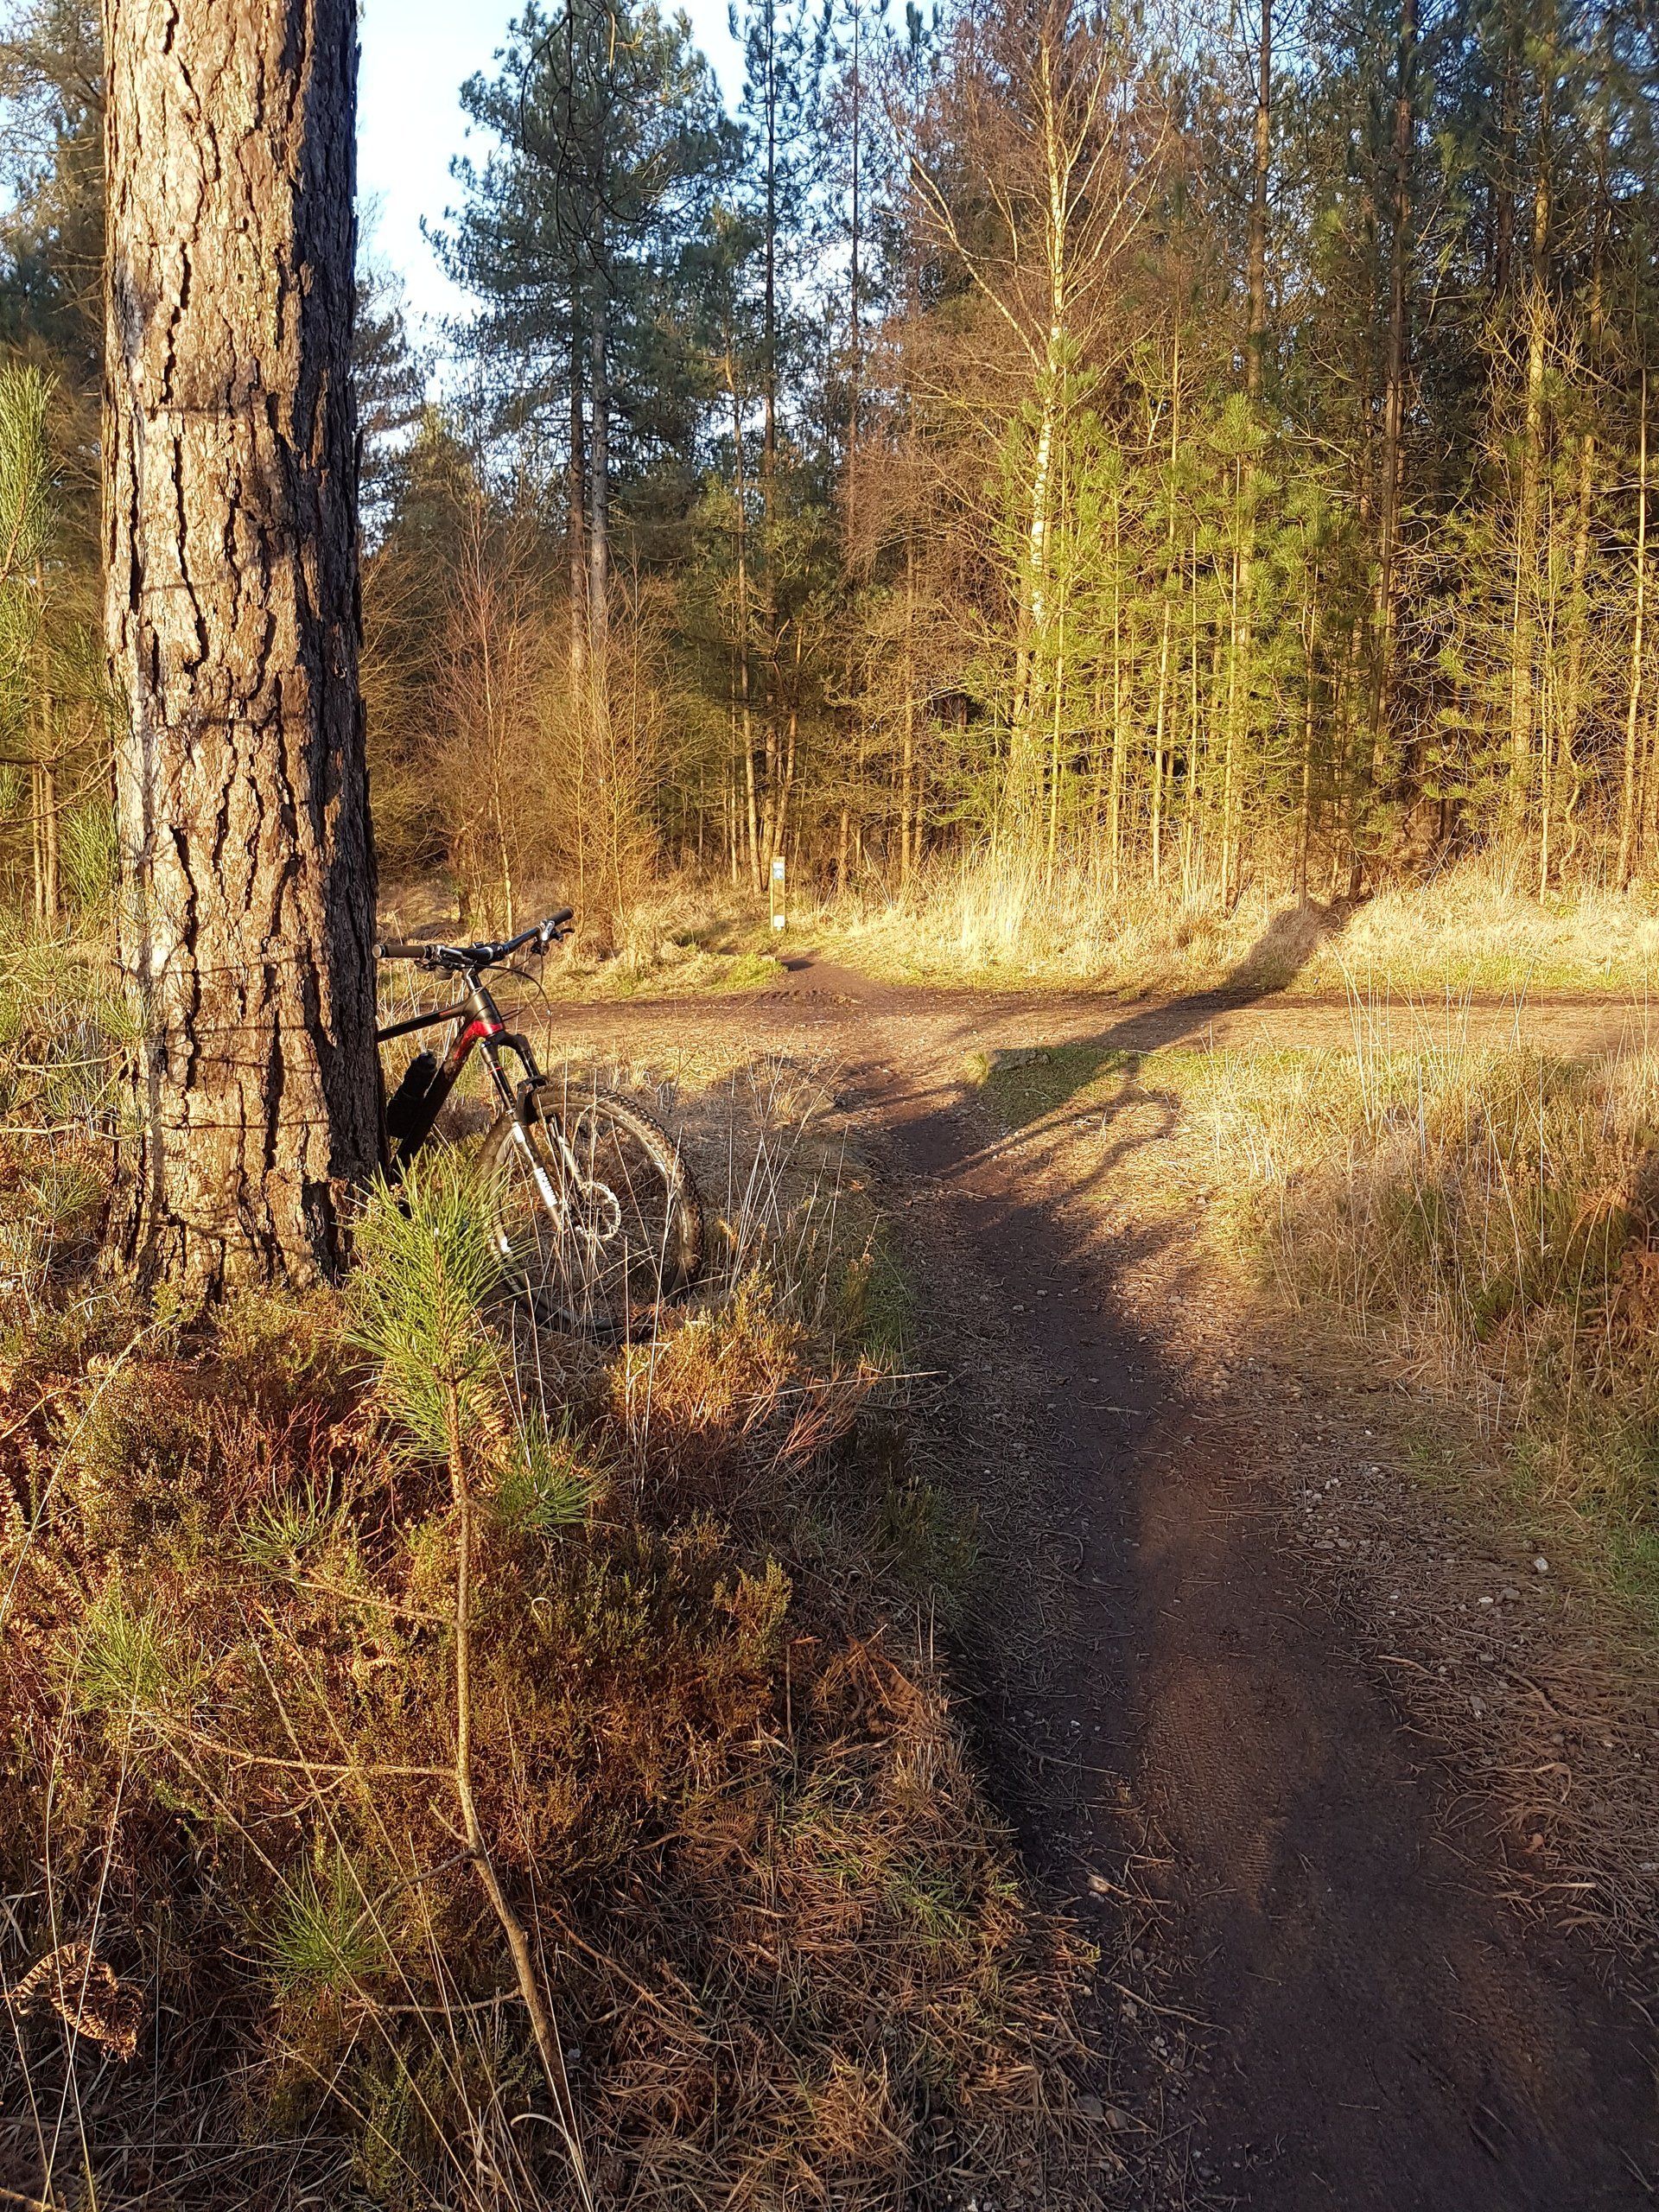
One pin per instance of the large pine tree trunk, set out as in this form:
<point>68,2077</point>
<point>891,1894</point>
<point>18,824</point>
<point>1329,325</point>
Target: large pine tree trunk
<point>247,900</point>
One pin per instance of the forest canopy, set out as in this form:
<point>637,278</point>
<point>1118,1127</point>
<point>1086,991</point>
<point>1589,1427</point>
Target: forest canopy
<point>1191,451</point>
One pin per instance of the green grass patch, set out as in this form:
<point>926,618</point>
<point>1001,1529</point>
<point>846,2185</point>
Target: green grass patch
<point>750,971</point>
<point>877,1309</point>
<point>1488,1221</point>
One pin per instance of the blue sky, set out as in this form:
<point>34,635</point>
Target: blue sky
<point>415,55</point>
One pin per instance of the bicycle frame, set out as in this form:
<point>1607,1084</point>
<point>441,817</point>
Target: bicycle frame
<point>480,1023</point>
<point>551,1134</point>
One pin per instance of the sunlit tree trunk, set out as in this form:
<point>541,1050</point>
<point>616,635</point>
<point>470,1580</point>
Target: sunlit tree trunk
<point>1523,677</point>
<point>772,99</point>
<point>599,472</point>
<point>1032,614</point>
<point>745,711</point>
<point>1310,693</point>
<point>1577,683</point>
<point>1157,750</point>
<point>1169,575</point>
<point>1390,471</point>
<point>1036,611</point>
<point>907,824</point>
<point>47,895</point>
<point>1119,708</point>
<point>1262,148</point>
<point>1240,677</point>
<point>1237,696</point>
<point>576,502</point>
<point>1630,795</point>
<point>1056,761</point>
<point>856,241</point>
<point>246,908</point>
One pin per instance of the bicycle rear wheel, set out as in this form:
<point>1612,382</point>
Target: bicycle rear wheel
<point>595,1213</point>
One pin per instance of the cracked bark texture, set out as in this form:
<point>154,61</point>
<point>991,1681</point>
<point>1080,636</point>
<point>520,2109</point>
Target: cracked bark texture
<point>246,914</point>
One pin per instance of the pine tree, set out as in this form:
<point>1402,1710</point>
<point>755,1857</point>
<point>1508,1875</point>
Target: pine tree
<point>246,907</point>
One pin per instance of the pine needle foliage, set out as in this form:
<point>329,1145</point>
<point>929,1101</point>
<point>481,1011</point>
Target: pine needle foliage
<point>326,1933</point>
<point>426,1269</point>
<point>543,1488</point>
<point>279,1534</point>
<point>125,1666</point>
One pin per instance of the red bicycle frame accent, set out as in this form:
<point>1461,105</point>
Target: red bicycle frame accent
<point>480,1024</point>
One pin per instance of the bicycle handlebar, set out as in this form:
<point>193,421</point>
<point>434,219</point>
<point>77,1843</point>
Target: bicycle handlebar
<point>478,956</point>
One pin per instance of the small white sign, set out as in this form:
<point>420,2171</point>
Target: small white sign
<point>777,869</point>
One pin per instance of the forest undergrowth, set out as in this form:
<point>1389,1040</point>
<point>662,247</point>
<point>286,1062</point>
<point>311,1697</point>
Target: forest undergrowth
<point>991,920</point>
<point>447,1764</point>
<point>1007,920</point>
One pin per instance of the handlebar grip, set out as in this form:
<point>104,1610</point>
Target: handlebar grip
<point>394,949</point>
<point>557,921</point>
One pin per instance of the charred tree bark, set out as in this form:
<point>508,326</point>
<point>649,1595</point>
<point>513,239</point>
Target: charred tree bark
<point>246,912</point>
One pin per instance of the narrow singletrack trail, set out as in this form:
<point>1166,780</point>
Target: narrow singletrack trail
<point>1376,2029</point>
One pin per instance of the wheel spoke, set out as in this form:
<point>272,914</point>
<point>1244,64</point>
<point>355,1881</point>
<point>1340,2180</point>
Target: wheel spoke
<point>594,1213</point>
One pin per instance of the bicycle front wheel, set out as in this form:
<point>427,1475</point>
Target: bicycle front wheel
<point>596,1214</point>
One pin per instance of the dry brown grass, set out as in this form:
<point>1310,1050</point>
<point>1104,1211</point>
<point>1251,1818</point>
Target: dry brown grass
<point>1489,1216</point>
<point>1006,920</point>
<point>679,935</point>
<point>245,1952</point>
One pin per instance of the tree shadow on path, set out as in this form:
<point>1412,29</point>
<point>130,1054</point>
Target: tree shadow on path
<point>1386,2035</point>
<point>1290,941</point>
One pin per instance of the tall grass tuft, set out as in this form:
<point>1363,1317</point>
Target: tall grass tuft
<point>126,1661</point>
<point>1490,1214</point>
<point>325,1932</point>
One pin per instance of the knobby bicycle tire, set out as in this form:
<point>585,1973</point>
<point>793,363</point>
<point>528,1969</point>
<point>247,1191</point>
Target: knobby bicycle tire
<point>596,1253</point>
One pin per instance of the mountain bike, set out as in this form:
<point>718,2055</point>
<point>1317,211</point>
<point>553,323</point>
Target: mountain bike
<point>592,1210</point>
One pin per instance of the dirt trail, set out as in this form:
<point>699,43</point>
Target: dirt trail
<point>1380,2031</point>
<point>819,996</point>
